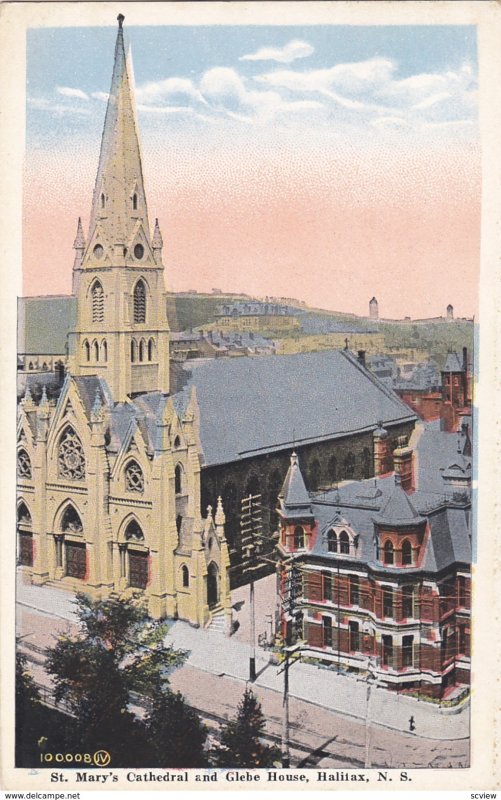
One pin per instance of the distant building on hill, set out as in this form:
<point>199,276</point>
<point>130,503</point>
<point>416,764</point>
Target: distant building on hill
<point>256,315</point>
<point>373,309</point>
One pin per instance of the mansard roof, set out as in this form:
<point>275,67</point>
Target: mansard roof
<point>359,502</point>
<point>270,403</point>
<point>398,511</point>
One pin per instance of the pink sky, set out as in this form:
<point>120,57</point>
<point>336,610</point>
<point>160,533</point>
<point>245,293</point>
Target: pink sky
<point>332,230</point>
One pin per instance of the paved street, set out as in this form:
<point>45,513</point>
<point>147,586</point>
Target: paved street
<point>327,709</point>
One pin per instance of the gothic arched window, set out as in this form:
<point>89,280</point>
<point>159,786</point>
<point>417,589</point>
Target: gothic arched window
<point>139,302</point>
<point>298,537</point>
<point>70,459</point>
<point>388,552</point>
<point>133,351</point>
<point>349,465</point>
<point>332,468</point>
<point>23,464</point>
<point>71,522</point>
<point>406,553</point>
<point>134,478</point>
<point>178,479</point>
<point>97,302</point>
<point>86,347</point>
<point>344,543</point>
<point>104,350</point>
<point>133,532</point>
<point>332,541</point>
<point>141,350</point>
<point>23,515</point>
<point>151,349</point>
<point>95,348</point>
<point>186,576</point>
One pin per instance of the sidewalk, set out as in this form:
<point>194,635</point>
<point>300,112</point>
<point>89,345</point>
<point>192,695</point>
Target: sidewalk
<point>212,653</point>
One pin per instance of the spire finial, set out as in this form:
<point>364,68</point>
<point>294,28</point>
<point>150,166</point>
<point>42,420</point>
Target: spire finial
<point>220,517</point>
<point>120,19</point>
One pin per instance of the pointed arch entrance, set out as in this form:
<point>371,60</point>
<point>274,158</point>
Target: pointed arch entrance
<point>212,585</point>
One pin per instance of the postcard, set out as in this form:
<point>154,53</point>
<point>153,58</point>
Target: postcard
<point>250,315</point>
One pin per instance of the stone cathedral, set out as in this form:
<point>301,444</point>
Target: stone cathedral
<point>109,474</point>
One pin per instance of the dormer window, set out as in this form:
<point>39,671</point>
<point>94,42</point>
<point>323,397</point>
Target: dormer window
<point>344,543</point>
<point>388,553</point>
<point>298,537</point>
<point>332,541</point>
<point>406,553</point>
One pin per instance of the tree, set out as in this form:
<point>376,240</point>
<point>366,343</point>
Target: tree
<point>176,733</point>
<point>28,713</point>
<point>241,744</point>
<point>118,654</point>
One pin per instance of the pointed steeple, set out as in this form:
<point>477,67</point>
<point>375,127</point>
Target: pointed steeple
<point>119,279</point>
<point>294,498</point>
<point>157,243</point>
<point>79,247</point>
<point>119,216</point>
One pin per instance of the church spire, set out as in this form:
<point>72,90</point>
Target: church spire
<point>122,331</point>
<point>119,229</point>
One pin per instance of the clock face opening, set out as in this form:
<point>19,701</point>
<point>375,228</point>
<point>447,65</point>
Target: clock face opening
<point>98,251</point>
<point>138,251</point>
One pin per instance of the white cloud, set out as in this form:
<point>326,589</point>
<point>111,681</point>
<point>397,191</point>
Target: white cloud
<point>162,91</point>
<point>371,87</point>
<point>432,100</point>
<point>57,109</point>
<point>226,91</point>
<point>284,55</point>
<point>67,91</point>
<point>356,78</point>
<point>100,96</point>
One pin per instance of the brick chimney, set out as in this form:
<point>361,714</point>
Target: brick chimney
<point>403,464</point>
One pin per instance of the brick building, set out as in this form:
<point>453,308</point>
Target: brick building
<point>380,570</point>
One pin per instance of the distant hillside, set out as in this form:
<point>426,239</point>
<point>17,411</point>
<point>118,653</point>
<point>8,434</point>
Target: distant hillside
<point>186,311</point>
<point>438,338</point>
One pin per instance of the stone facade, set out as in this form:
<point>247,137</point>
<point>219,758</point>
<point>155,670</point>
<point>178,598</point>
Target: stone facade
<point>109,473</point>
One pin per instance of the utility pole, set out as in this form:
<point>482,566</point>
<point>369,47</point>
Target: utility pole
<point>251,533</point>
<point>290,580</point>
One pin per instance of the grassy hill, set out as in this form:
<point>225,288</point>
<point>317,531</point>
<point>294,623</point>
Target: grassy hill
<point>187,311</point>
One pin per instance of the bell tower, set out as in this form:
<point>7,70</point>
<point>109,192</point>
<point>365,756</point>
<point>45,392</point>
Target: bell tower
<point>122,332</point>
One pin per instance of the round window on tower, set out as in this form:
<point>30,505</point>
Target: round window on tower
<point>98,251</point>
<point>139,251</point>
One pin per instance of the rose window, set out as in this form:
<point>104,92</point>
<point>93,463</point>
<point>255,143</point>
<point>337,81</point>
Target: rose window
<point>71,458</point>
<point>23,464</point>
<point>134,479</point>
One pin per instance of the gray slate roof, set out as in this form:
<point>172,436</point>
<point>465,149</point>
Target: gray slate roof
<point>453,363</point>
<point>294,496</point>
<point>251,406</point>
<point>44,322</point>
<point>358,503</point>
<point>398,510</point>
